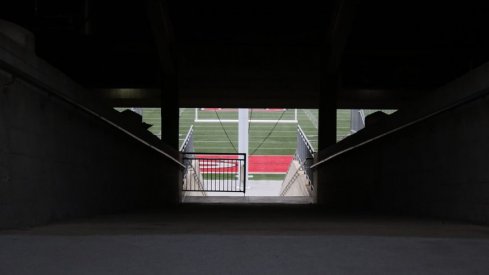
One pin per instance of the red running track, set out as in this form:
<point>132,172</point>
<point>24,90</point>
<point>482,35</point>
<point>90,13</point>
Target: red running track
<point>234,110</point>
<point>257,164</point>
<point>269,164</point>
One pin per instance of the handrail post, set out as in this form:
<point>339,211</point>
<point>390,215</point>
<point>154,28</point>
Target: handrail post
<point>246,174</point>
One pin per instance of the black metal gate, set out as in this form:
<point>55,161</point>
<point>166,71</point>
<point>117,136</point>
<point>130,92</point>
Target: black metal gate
<point>214,172</point>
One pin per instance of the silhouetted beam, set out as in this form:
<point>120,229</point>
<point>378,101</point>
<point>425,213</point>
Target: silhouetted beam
<point>163,34</point>
<point>130,97</point>
<point>336,38</point>
<point>347,98</point>
<point>394,98</point>
<point>337,35</point>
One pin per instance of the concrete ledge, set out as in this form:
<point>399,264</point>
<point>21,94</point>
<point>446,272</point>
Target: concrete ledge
<point>61,156</point>
<point>34,70</point>
<point>434,168</point>
<point>19,35</point>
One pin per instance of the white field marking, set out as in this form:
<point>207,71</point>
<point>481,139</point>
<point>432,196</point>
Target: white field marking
<point>218,164</point>
<point>226,144</point>
<point>268,173</point>
<point>218,125</point>
<point>312,118</point>
<point>230,150</point>
<point>255,114</point>
<point>277,131</point>
<point>256,137</point>
<point>251,121</point>
<point>236,126</point>
<point>235,140</point>
<point>261,125</point>
<point>214,144</point>
<point>252,133</point>
<point>232,125</point>
<point>252,124</point>
<point>261,148</point>
<point>254,141</point>
<point>220,137</point>
<point>255,117</point>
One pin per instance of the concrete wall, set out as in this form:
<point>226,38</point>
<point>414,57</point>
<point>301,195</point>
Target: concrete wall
<point>57,161</point>
<point>439,167</point>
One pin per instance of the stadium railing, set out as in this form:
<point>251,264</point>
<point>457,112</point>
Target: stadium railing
<point>304,155</point>
<point>188,142</point>
<point>304,152</point>
<point>215,172</point>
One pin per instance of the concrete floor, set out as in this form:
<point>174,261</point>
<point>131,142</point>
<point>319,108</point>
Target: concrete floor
<point>255,188</point>
<point>247,200</point>
<point>246,240</point>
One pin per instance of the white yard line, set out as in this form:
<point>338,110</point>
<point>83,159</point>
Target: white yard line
<point>256,141</point>
<point>311,117</point>
<point>221,147</point>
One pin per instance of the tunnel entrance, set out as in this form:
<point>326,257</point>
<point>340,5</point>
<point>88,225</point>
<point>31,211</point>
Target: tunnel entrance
<point>273,166</point>
<point>247,155</point>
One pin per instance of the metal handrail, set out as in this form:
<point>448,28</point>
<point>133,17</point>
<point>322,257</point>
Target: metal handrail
<point>224,154</point>
<point>304,152</point>
<point>220,180</point>
<point>306,140</point>
<point>67,99</point>
<point>452,106</point>
<point>187,138</point>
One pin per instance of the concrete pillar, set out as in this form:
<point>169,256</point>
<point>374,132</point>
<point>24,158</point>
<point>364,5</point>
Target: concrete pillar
<point>326,132</point>
<point>88,17</point>
<point>243,135</point>
<point>327,114</point>
<point>170,113</point>
<point>169,134</point>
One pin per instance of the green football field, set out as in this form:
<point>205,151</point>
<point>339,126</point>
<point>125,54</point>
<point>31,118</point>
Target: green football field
<point>264,138</point>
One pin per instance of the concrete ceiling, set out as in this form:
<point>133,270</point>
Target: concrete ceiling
<point>259,53</point>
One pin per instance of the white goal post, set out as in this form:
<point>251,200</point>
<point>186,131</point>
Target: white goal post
<point>212,120</point>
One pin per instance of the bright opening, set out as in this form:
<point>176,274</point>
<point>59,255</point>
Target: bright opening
<point>250,152</point>
<point>247,152</point>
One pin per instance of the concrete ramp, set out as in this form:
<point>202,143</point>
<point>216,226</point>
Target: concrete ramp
<point>296,183</point>
<point>193,180</point>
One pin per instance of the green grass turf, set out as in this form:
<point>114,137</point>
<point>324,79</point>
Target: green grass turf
<point>343,118</point>
<point>214,137</point>
<point>267,177</point>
